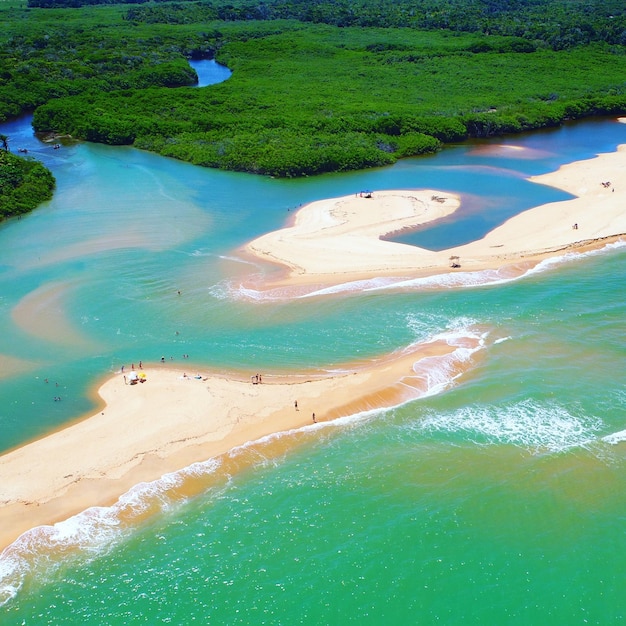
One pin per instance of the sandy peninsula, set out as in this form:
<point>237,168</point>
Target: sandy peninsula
<point>144,431</point>
<point>175,418</point>
<point>339,239</point>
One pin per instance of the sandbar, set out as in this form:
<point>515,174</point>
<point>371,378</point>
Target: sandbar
<point>175,418</point>
<point>143,431</point>
<point>339,239</point>
<point>42,314</point>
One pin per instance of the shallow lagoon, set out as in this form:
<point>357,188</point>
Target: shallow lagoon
<point>496,501</point>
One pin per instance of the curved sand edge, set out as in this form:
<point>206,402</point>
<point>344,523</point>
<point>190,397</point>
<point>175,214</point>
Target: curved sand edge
<point>338,239</point>
<point>171,421</point>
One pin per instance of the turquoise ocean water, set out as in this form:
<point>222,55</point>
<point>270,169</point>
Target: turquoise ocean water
<point>496,499</point>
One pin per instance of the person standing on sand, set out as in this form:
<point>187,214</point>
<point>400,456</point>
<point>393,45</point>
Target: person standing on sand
<point>314,420</point>
<point>295,405</point>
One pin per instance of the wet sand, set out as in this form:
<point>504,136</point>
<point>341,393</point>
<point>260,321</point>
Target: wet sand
<point>174,419</point>
<point>171,421</point>
<point>337,240</point>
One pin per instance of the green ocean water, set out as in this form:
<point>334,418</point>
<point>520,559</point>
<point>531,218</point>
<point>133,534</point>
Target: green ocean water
<point>495,499</point>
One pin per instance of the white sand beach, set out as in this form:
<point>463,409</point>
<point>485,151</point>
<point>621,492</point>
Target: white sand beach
<point>143,431</point>
<point>338,239</point>
<point>175,418</point>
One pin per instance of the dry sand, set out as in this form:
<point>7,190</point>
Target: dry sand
<point>336,240</point>
<point>146,430</point>
<point>172,420</point>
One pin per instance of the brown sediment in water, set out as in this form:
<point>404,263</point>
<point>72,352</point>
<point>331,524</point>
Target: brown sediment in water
<point>41,313</point>
<point>170,422</point>
<point>11,366</point>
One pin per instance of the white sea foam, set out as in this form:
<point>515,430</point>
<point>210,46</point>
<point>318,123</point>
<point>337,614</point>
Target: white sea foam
<point>501,340</point>
<point>226,290</point>
<point>231,291</point>
<point>457,332</point>
<point>490,277</point>
<point>200,253</point>
<point>91,531</point>
<point>438,373</point>
<point>529,424</point>
<point>95,529</point>
<point>204,252</point>
<point>615,438</point>
<point>339,422</point>
<point>239,292</point>
<point>457,280</point>
<point>568,257</point>
<point>449,280</point>
<point>10,580</point>
<point>235,259</point>
<point>370,284</point>
<point>424,324</point>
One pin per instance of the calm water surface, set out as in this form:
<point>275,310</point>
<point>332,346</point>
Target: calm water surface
<point>498,500</point>
<point>209,71</point>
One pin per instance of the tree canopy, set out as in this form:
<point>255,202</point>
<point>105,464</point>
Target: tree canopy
<point>24,184</point>
<point>317,85</point>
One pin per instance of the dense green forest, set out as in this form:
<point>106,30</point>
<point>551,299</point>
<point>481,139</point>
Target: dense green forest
<point>317,85</point>
<point>24,183</point>
<point>559,24</point>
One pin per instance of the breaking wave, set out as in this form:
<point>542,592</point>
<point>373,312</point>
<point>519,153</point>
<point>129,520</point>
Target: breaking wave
<point>449,280</point>
<point>90,531</point>
<point>528,424</point>
<point>96,529</point>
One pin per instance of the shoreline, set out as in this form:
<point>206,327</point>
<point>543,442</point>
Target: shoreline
<point>142,432</point>
<point>339,239</point>
<point>180,420</point>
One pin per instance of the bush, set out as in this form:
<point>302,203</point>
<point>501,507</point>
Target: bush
<point>24,184</point>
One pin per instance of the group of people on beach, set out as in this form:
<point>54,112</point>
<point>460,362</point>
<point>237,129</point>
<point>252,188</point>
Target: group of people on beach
<point>197,377</point>
<point>132,367</point>
<point>133,377</point>
<point>295,405</point>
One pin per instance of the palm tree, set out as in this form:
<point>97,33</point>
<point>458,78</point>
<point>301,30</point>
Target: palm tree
<point>4,141</point>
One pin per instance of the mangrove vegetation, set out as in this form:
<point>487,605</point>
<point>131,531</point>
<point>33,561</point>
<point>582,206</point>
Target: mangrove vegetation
<point>317,86</point>
<point>24,183</point>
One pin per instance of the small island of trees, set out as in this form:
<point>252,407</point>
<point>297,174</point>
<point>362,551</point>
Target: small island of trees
<point>24,183</point>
